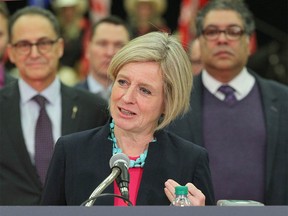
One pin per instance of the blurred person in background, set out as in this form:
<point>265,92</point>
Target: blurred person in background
<point>108,36</point>
<point>73,25</point>
<point>145,16</point>
<point>5,77</point>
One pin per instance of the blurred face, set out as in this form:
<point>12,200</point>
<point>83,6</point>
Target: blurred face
<point>195,57</point>
<point>106,41</point>
<point>37,68</point>
<point>137,99</point>
<point>68,13</point>
<point>3,35</point>
<point>222,54</point>
<point>145,10</point>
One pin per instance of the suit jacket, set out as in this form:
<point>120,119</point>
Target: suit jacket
<point>19,183</point>
<point>274,97</point>
<point>8,79</point>
<point>81,162</point>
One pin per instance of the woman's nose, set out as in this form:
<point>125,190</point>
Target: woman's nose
<point>130,95</point>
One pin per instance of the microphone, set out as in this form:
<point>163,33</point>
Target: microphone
<point>121,161</point>
<point>118,163</point>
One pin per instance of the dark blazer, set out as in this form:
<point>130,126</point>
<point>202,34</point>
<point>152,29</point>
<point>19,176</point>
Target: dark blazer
<point>8,79</point>
<point>81,162</point>
<point>274,98</point>
<point>19,183</point>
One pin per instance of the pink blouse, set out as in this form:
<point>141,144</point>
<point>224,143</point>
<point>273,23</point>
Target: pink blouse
<point>135,180</point>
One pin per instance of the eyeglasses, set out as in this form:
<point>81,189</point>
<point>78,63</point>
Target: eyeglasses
<point>232,33</point>
<point>43,46</point>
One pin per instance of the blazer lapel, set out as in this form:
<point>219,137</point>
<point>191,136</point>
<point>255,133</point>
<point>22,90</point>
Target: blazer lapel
<point>196,103</point>
<point>69,110</point>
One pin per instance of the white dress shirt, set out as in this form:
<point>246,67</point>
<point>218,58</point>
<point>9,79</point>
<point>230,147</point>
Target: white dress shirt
<point>96,87</point>
<point>29,112</point>
<point>242,83</point>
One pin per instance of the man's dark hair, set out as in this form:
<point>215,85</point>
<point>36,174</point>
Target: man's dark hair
<point>233,5</point>
<point>115,20</point>
<point>32,10</point>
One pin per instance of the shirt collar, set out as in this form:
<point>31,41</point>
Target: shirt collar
<point>51,93</point>
<point>95,86</point>
<point>242,83</point>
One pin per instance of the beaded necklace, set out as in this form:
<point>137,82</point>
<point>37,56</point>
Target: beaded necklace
<point>140,161</point>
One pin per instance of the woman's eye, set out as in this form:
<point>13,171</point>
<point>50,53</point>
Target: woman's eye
<point>122,82</point>
<point>145,91</point>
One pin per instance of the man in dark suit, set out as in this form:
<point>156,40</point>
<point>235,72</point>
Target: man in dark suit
<point>35,46</point>
<point>240,118</point>
<point>108,35</point>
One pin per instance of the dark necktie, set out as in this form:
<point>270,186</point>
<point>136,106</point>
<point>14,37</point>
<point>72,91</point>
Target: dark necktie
<point>228,91</point>
<point>43,139</point>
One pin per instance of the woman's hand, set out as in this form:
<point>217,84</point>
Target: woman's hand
<point>196,197</point>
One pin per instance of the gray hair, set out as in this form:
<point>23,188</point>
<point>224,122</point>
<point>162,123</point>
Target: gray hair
<point>234,5</point>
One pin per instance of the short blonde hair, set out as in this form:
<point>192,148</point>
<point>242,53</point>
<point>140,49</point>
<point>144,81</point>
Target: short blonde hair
<point>175,66</point>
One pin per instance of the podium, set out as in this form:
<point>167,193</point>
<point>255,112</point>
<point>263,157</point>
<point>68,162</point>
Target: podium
<point>143,211</point>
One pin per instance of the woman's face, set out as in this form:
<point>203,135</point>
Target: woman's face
<point>137,99</point>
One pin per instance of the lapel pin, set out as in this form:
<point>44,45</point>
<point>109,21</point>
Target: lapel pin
<point>74,112</point>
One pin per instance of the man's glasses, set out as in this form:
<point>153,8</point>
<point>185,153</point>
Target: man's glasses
<point>232,33</point>
<point>43,46</point>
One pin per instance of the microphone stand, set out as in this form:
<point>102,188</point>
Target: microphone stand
<point>127,201</point>
<point>115,172</point>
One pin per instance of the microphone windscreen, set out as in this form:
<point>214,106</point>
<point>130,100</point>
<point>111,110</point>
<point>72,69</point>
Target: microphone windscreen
<point>119,157</point>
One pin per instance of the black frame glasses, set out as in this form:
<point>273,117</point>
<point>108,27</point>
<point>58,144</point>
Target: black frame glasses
<point>43,46</point>
<point>232,33</point>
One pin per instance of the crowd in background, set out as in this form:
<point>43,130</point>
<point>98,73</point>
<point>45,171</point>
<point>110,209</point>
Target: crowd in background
<point>76,17</point>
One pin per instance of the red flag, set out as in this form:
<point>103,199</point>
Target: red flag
<point>186,26</point>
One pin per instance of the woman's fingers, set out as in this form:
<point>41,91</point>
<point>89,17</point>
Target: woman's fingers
<point>195,195</point>
<point>170,189</point>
